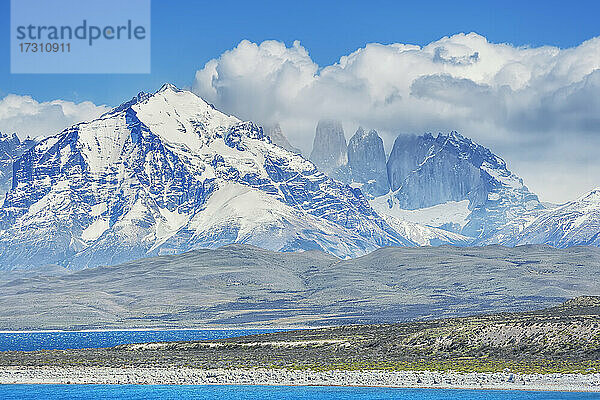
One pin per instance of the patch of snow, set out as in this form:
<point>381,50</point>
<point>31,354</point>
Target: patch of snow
<point>426,235</point>
<point>170,223</point>
<point>99,209</point>
<point>257,218</point>
<point>181,118</point>
<point>451,212</point>
<point>503,176</point>
<point>95,230</point>
<point>493,196</point>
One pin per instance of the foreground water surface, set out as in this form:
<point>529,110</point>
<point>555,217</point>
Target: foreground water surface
<point>30,341</point>
<point>133,392</point>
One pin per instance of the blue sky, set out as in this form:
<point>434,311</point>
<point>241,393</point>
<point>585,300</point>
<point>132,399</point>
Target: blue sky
<point>186,34</point>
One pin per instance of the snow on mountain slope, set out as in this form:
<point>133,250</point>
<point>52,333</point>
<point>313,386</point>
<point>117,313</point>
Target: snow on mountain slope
<point>574,223</point>
<point>242,214</point>
<point>165,173</point>
<point>426,235</point>
<point>450,216</point>
<point>178,116</point>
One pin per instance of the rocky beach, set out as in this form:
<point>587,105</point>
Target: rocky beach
<point>379,378</point>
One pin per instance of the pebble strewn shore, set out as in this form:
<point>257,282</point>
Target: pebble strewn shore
<point>191,376</point>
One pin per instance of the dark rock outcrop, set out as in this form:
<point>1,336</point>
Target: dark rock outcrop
<point>11,148</point>
<point>367,162</point>
<point>424,171</point>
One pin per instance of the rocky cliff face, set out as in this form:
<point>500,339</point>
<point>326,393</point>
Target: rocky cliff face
<point>425,171</point>
<point>11,148</point>
<point>165,173</point>
<point>277,137</point>
<point>329,147</point>
<point>367,162</point>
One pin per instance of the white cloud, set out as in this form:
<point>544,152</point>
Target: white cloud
<point>27,117</point>
<point>525,103</point>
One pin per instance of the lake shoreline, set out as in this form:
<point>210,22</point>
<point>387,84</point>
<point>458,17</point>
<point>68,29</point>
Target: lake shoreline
<point>288,377</point>
<point>166,329</point>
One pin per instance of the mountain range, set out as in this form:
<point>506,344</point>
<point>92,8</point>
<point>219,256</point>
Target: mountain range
<point>454,185</point>
<point>166,172</point>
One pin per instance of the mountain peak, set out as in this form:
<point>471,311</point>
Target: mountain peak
<point>142,97</point>
<point>571,224</point>
<point>593,195</point>
<point>329,123</point>
<point>459,141</point>
<point>329,146</point>
<point>457,136</point>
<point>165,173</point>
<point>362,134</point>
<point>426,172</point>
<point>367,162</point>
<point>277,137</point>
<point>468,148</point>
<point>179,116</point>
<point>8,137</point>
<point>168,86</point>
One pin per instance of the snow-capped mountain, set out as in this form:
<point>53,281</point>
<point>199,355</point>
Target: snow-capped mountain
<point>167,172</point>
<point>11,148</point>
<point>365,167</point>
<point>446,182</point>
<point>425,171</point>
<point>572,224</point>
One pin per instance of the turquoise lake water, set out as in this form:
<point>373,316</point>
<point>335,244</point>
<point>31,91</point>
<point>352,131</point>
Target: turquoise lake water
<point>29,341</point>
<point>134,392</point>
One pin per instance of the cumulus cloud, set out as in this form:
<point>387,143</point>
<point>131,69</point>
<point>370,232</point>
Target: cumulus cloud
<point>27,117</point>
<point>534,106</point>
